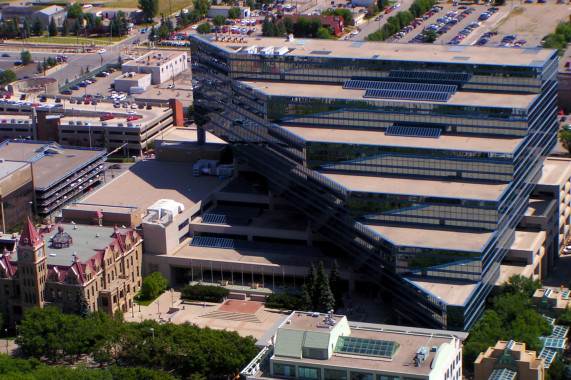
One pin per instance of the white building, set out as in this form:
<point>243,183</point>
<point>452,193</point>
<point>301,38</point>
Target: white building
<point>328,346</point>
<point>162,66</point>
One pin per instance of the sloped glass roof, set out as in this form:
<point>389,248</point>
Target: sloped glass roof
<point>502,374</point>
<point>368,347</point>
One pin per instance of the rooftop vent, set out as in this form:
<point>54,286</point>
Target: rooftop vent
<point>420,356</point>
<point>510,345</point>
<point>547,293</point>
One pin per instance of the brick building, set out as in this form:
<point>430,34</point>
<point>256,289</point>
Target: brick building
<point>102,264</point>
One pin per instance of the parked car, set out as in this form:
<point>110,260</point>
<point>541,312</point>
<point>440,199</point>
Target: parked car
<point>107,116</point>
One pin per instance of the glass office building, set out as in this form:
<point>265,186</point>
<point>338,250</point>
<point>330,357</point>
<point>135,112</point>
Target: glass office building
<point>417,160</point>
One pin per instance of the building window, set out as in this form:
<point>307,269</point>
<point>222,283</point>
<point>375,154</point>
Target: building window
<point>284,370</point>
<point>309,373</point>
<point>335,374</point>
<point>104,302</point>
<point>361,376</point>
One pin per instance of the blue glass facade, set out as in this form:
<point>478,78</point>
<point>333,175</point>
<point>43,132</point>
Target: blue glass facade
<point>328,150</point>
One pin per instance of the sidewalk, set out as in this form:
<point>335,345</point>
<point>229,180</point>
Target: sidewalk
<point>194,312</point>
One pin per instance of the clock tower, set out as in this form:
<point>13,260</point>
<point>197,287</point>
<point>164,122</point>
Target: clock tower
<point>32,267</point>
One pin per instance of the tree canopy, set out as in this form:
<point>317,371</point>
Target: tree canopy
<point>152,286</point>
<point>7,76</point>
<point>511,317</point>
<point>219,20</point>
<point>234,13</point>
<point>565,138</point>
<point>150,8</point>
<point>179,350</point>
<point>75,11</point>
<point>26,57</point>
<point>204,28</point>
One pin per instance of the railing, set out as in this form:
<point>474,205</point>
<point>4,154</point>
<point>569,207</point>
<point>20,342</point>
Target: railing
<point>254,366</point>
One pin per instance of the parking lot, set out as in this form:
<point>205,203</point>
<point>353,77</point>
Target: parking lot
<point>526,24</point>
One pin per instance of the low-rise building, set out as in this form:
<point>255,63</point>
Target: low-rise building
<point>552,301</point>
<point>58,266</point>
<point>131,82</point>
<point>327,346</point>
<point>509,360</point>
<point>16,192</point>
<point>60,174</point>
<point>162,66</point>
<point>54,12</point>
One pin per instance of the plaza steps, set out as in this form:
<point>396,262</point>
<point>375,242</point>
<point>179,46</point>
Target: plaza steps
<point>258,317</point>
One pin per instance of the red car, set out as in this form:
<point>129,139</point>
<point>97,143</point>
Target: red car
<point>108,116</point>
<point>133,118</point>
<point>388,10</point>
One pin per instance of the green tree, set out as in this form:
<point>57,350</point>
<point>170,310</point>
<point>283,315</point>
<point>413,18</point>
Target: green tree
<point>65,27</point>
<point>150,8</point>
<point>517,284</point>
<point>429,36</point>
<point>310,282</point>
<point>26,57</point>
<point>335,284</point>
<point>511,317</point>
<point>40,68</point>
<point>152,286</point>
<point>27,28</point>
<point>204,28</point>
<point>324,297</point>
<point>219,20</point>
<point>7,76</point>
<point>565,138</point>
<point>565,318</point>
<point>383,4</point>
<point>234,13</point>
<point>75,11</point>
<point>201,6</point>
<point>81,308</point>
<point>38,27</point>
<point>323,33</point>
<point>52,29</point>
<point>306,303</point>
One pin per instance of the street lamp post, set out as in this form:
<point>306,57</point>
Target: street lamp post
<point>159,308</point>
<point>153,332</point>
<point>172,297</point>
<point>6,330</point>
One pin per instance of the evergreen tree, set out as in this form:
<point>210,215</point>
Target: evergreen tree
<point>14,28</point>
<point>38,27</point>
<point>310,283</point>
<point>335,284</point>
<point>52,29</point>
<point>65,27</point>
<point>306,304</point>
<point>81,308</point>
<point>323,296</point>
<point>26,28</point>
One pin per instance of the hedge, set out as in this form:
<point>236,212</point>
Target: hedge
<point>207,293</point>
<point>283,301</point>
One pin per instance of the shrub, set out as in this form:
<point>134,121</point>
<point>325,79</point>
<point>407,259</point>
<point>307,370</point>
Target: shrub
<point>283,301</point>
<point>208,293</point>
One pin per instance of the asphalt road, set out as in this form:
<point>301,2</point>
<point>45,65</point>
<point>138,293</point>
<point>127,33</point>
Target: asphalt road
<point>76,62</point>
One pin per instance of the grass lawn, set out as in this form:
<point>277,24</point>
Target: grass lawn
<point>164,7</point>
<point>72,40</point>
<point>143,303</point>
